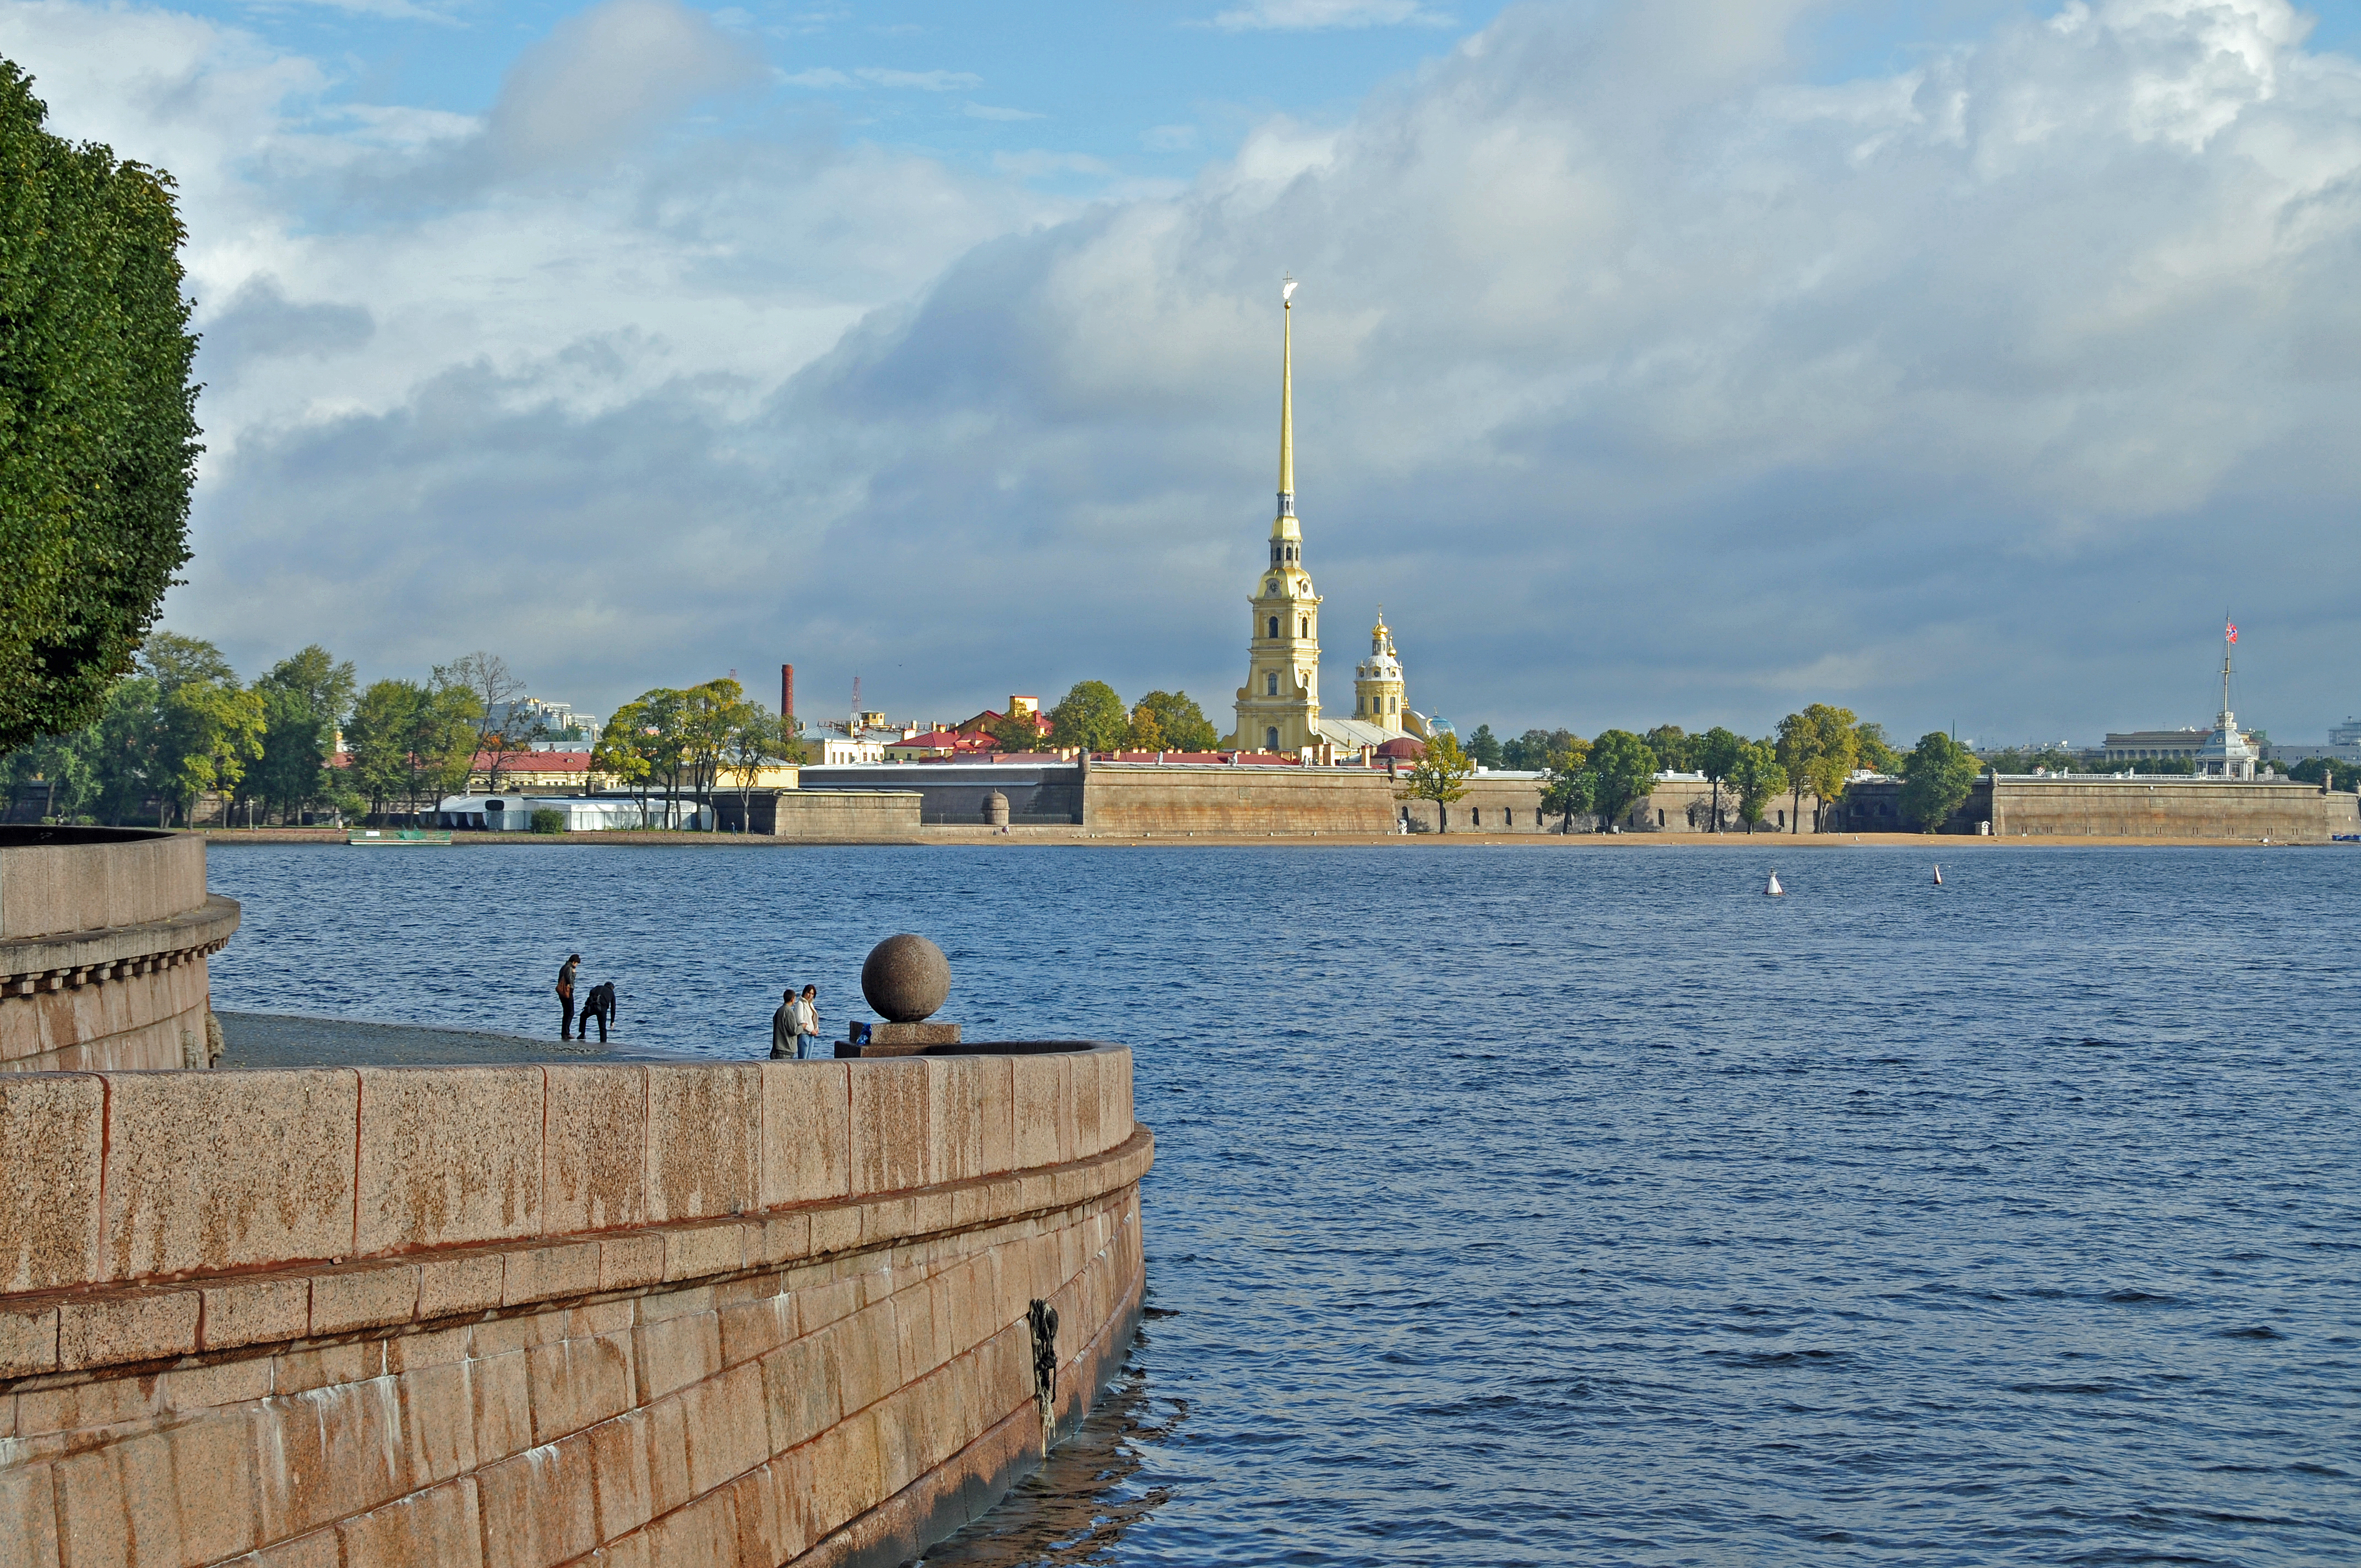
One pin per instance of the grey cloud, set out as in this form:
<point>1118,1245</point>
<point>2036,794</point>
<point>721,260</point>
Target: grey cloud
<point>1638,379</point>
<point>604,76</point>
<point>260,322</point>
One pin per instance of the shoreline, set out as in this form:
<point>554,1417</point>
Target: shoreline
<point>258,1041</point>
<point>1083,838</point>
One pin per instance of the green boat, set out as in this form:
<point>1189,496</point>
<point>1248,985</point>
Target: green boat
<point>373,837</point>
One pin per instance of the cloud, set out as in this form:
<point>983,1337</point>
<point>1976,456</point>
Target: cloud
<point>1169,138</point>
<point>1309,14</point>
<point>1041,162</point>
<point>605,75</point>
<point>992,112</point>
<point>919,81</point>
<point>1639,375</point>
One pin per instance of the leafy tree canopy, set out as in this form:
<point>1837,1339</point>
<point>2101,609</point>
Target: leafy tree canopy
<point>1625,769</point>
<point>1936,778</point>
<point>1180,724</point>
<point>1483,748</point>
<point>1675,748</point>
<point>97,416</point>
<point>1757,778</point>
<point>1440,774</point>
<point>1090,717</point>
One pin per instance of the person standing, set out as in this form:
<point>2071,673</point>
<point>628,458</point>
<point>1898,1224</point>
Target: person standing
<point>785,1047</point>
<point>808,1040</point>
<point>565,995</point>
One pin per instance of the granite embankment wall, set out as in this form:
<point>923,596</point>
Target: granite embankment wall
<point>103,936</point>
<point>823,815</point>
<point>1146,798</point>
<point>517,1317</point>
<point>2163,807</point>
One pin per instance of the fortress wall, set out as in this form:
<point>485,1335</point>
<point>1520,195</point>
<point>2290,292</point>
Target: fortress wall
<point>104,938</point>
<point>1149,797</point>
<point>2166,807</point>
<point>737,1313</point>
<point>862,817</point>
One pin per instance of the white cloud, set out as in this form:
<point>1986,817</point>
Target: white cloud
<point>994,111</point>
<point>1041,162</point>
<point>919,81</point>
<point>1308,15</point>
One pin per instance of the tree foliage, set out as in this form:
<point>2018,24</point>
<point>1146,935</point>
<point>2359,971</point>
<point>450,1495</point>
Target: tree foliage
<point>1675,748</point>
<point>304,698</point>
<point>1714,753</point>
<point>1569,788</point>
<point>1440,774</point>
<point>1535,750</point>
<point>98,417</point>
<point>1937,779</point>
<point>1090,717</point>
<point>1179,724</point>
<point>1483,749</point>
<point>1626,769</point>
<point>1756,778</point>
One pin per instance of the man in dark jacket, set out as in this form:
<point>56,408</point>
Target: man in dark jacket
<point>782,1029</point>
<point>565,995</point>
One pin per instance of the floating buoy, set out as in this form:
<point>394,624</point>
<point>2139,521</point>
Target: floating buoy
<point>1774,890</point>
<point>1938,876</point>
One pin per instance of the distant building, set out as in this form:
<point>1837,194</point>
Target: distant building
<point>941,746</point>
<point>2153,745</point>
<point>1018,708</point>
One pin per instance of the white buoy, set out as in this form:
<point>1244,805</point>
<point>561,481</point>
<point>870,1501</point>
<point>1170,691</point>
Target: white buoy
<point>1938,876</point>
<point>1774,890</point>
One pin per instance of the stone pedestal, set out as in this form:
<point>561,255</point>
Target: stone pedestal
<point>908,1039</point>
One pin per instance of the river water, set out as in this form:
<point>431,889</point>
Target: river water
<point>1575,1204</point>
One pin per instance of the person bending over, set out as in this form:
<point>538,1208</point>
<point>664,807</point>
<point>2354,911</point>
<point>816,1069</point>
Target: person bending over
<point>601,1006</point>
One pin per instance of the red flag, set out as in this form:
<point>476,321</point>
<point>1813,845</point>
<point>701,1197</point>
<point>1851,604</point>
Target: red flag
<point>2232,632</point>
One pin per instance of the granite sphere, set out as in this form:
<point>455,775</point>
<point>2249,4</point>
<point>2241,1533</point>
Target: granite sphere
<point>905,979</point>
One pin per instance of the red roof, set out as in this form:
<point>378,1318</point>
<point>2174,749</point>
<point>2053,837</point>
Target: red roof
<point>1405,746</point>
<point>992,716</point>
<point>948,740</point>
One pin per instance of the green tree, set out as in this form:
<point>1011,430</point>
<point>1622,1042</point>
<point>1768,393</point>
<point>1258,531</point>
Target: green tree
<point>623,751</point>
<point>1569,788</point>
<point>378,740</point>
<point>1817,748</point>
<point>1180,720</point>
<point>210,732</point>
<point>98,432</point>
<point>1534,749</point>
<point>1714,753</point>
<point>1483,748</point>
<point>503,730</point>
<point>1756,778</point>
<point>1014,731</point>
<point>304,698</point>
<point>1439,775</point>
<point>1626,769</point>
<point>1090,717</point>
<point>1937,779</point>
<point>1675,748</point>
<point>756,740</point>
<point>1872,750</point>
<point>1146,733</point>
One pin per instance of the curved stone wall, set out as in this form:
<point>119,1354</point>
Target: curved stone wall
<point>103,936</point>
<point>517,1317</point>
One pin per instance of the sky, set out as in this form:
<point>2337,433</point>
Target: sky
<point>1687,361</point>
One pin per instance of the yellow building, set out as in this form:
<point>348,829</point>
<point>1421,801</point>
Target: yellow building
<point>1278,707</point>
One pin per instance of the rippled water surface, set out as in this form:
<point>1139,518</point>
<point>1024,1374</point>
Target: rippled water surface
<point>1572,1204</point>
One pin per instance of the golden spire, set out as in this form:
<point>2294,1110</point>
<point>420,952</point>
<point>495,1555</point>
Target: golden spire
<point>1287,399</point>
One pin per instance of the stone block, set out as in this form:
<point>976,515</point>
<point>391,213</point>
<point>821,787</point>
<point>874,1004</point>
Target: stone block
<point>996,1091</point>
<point>728,1433</point>
<point>348,1298</point>
<point>438,1421</point>
<point>29,1339</point>
<point>835,1229</point>
<point>1038,1089</point>
<point>498,1336</point>
<point>213,1486</point>
<point>1083,1067</point>
<point>329,1453</point>
<point>539,1506</point>
<point>123,1326</point>
<point>29,1518</point>
<point>800,1394</point>
<point>867,1353</point>
<point>576,1382</point>
<point>773,1514</point>
<point>52,1133</point>
<point>319,1549</point>
<point>594,1159</point>
<point>448,1154</point>
<point>502,1398</point>
<point>704,1141</point>
<point>550,1273</point>
<point>208,1172</point>
<point>704,1532</point>
<point>416,1351</point>
<point>618,1467</point>
<point>668,1454</point>
<point>674,1352</point>
<point>889,1125</point>
<point>438,1526</point>
<point>954,1148</point>
<point>699,1252</point>
<point>254,1312</point>
<point>451,1287</point>
<point>299,1371</point>
<point>755,1328</point>
<point>781,1238</point>
<point>907,1039</point>
<point>1116,1114</point>
<point>627,1262</point>
<point>847,1479</point>
<point>207,1387</point>
<point>806,1131</point>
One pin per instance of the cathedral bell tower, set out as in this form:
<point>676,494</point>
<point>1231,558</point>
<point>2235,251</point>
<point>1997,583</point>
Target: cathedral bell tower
<point>1378,684</point>
<point>1278,707</point>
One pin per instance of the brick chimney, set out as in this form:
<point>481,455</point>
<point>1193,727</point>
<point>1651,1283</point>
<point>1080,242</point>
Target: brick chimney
<point>787,691</point>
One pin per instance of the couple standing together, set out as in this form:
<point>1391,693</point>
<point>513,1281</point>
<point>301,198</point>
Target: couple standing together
<point>794,1027</point>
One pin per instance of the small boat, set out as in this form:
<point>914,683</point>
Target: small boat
<point>371,837</point>
<point>1938,876</point>
<point>1774,890</point>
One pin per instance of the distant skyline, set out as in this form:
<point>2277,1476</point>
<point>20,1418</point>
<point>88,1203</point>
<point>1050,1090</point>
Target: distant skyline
<point>1959,363</point>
